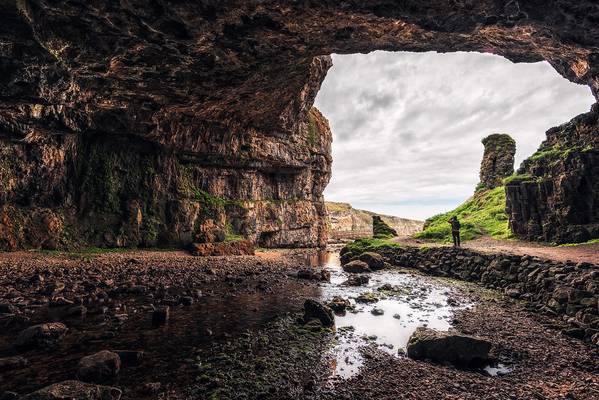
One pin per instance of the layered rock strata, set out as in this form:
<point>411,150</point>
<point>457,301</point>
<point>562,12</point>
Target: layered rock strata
<point>554,196</point>
<point>346,222</point>
<point>498,160</point>
<point>123,124</point>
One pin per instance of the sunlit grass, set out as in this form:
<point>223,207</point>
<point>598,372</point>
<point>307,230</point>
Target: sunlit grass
<point>482,214</point>
<point>362,245</point>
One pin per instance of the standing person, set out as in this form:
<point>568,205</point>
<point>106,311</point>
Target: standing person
<point>455,230</point>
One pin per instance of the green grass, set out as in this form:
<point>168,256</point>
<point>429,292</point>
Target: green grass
<point>592,241</point>
<point>482,214</point>
<point>337,207</point>
<point>519,178</point>
<point>360,246</point>
<point>312,131</point>
<point>549,152</point>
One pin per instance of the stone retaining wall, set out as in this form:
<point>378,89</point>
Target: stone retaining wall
<point>569,291</point>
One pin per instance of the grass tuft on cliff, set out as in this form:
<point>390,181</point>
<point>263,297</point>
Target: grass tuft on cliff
<point>482,214</point>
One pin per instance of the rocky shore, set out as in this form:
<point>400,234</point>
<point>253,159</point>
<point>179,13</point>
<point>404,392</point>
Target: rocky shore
<point>567,290</point>
<point>164,324</point>
<point>145,322</point>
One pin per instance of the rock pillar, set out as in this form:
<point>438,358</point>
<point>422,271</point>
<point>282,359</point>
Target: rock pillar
<point>498,160</point>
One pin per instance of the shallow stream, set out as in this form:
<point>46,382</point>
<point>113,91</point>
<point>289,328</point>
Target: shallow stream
<point>399,303</point>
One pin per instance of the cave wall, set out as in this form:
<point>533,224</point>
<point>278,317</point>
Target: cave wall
<point>130,108</point>
<point>69,191</point>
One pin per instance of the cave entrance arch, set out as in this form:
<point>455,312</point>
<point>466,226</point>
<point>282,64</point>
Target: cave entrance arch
<point>138,123</point>
<point>407,127</point>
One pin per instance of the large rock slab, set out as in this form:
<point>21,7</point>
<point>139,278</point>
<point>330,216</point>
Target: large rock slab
<point>75,390</point>
<point>315,310</point>
<point>375,261</point>
<point>99,367</point>
<point>448,347</point>
<point>42,335</point>
<point>381,229</point>
<point>356,267</point>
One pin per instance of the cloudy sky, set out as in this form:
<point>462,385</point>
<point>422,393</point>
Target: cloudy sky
<point>407,127</point>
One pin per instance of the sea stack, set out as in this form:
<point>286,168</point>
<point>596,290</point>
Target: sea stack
<point>498,160</point>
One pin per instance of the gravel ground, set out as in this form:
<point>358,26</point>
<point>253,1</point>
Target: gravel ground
<point>240,337</point>
<point>546,365</point>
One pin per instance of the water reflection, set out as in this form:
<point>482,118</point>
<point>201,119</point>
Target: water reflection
<point>406,302</point>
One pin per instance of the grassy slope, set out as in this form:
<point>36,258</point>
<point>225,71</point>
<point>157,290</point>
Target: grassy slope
<point>482,214</point>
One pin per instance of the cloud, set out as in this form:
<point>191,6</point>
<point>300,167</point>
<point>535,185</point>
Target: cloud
<point>407,126</point>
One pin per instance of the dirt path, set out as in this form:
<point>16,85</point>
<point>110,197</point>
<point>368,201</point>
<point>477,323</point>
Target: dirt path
<point>577,253</point>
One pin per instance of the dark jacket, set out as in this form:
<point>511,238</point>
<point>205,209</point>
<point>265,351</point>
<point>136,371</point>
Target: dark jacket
<point>455,224</point>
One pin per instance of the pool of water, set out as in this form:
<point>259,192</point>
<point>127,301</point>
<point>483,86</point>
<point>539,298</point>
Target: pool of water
<point>404,302</point>
<point>223,312</point>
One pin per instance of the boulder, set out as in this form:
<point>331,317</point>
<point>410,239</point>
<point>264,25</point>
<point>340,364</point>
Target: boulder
<point>367,297</point>
<point>448,347</point>
<point>339,304</point>
<point>42,335</point>
<point>100,367</point>
<point>315,310</point>
<point>7,308</point>
<point>10,363</point>
<point>75,390</point>
<point>314,275</point>
<point>130,358</point>
<point>375,261</point>
<point>356,266</point>
<point>186,301</point>
<point>356,280</point>
<point>346,257</point>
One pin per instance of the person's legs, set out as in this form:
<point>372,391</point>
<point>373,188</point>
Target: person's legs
<point>457,234</point>
<point>453,236</point>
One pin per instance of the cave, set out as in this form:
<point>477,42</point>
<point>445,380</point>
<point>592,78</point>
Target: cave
<point>159,123</point>
<point>131,129</point>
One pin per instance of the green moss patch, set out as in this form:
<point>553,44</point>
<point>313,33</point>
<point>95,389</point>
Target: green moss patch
<point>592,241</point>
<point>312,131</point>
<point>260,364</point>
<point>517,178</point>
<point>360,246</point>
<point>482,214</point>
<point>380,228</point>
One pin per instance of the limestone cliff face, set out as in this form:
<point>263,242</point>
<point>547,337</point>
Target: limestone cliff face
<point>66,190</point>
<point>498,160</point>
<point>346,222</point>
<point>555,195</point>
<point>157,121</point>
